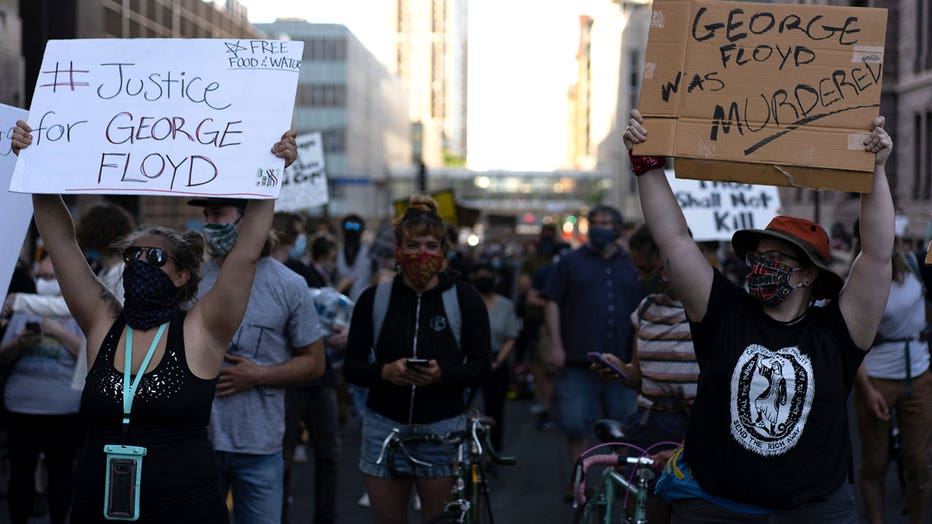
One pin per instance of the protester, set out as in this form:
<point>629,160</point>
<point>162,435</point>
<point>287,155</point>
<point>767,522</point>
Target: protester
<point>769,424</point>
<point>591,294</point>
<point>43,407</point>
<point>414,323</point>
<point>503,326</point>
<point>531,313</point>
<point>279,343</point>
<point>663,366</point>
<point>895,378</point>
<point>354,266</point>
<point>313,402</point>
<point>166,413</point>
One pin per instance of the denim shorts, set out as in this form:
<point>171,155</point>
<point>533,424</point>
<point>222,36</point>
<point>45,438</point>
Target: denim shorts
<point>581,398</point>
<point>441,457</point>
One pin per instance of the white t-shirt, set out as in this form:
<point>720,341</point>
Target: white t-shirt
<point>904,317</point>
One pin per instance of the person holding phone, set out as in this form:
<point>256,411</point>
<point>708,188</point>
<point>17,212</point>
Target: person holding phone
<point>174,357</point>
<point>407,393</point>
<point>768,432</point>
<point>43,406</point>
<point>663,367</point>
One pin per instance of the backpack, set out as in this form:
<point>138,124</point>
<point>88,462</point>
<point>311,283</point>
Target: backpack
<point>383,293</point>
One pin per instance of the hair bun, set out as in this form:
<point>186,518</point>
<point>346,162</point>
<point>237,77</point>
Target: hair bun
<point>423,203</point>
<point>196,240</point>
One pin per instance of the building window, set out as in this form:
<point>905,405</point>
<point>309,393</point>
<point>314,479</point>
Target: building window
<point>917,155</point>
<point>439,16</point>
<point>113,22</point>
<point>325,49</point>
<point>321,95</point>
<point>334,140</point>
<point>923,59</point>
<point>438,80</point>
<point>926,151</point>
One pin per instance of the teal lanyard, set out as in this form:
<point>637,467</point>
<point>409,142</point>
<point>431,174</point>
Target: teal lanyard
<point>129,390</point>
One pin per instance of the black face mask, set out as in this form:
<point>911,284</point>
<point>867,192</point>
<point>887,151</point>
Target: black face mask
<point>149,295</point>
<point>484,284</point>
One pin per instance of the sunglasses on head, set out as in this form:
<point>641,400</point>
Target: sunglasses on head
<point>153,255</point>
<point>352,226</point>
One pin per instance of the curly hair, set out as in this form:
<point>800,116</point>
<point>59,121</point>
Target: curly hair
<point>187,250</point>
<point>101,225</point>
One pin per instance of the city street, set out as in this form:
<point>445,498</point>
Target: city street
<point>528,492</point>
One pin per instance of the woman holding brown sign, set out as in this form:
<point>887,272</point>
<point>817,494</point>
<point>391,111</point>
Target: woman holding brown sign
<point>768,435</point>
<point>153,365</point>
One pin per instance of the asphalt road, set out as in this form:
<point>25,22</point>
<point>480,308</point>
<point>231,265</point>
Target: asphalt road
<point>530,492</point>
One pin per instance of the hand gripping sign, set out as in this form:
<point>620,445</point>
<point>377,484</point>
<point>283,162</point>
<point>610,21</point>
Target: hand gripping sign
<point>160,116</point>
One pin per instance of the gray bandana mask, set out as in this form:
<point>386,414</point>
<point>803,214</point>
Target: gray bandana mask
<point>220,238</point>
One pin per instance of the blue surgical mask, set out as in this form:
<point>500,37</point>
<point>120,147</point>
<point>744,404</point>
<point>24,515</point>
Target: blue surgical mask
<point>299,247</point>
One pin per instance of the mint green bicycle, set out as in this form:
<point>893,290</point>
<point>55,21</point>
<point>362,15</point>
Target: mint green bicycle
<point>599,505</point>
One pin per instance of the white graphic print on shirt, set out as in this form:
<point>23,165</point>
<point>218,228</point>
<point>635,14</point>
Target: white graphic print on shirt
<point>771,394</point>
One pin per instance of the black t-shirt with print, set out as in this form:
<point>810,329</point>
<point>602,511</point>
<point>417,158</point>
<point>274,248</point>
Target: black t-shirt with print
<point>769,426</point>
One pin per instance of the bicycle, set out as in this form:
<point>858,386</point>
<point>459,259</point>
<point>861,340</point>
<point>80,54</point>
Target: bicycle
<point>471,503</point>
<point>599,506</point>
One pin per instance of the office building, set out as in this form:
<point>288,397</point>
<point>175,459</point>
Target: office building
<point>361,109</point>
<point>430,57</point>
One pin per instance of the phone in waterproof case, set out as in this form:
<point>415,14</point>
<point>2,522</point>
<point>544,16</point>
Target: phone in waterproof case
<point>124,473</point>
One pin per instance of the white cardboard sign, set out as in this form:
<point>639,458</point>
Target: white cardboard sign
<point>715,210</point>
<point>17,208</point>
<point>305,182</point>
<point>160,117</point>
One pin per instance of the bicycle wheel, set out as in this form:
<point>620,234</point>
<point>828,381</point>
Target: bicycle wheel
<point>596,515</point>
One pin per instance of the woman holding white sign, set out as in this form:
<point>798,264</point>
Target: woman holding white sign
<point>148,396</point>
<point>768,439</point>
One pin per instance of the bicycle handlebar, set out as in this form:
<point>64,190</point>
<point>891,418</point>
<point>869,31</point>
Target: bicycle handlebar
<point>478,432</point>
<point>607,459</point>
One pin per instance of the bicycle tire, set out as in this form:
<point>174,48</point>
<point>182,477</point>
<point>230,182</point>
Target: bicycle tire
<point>445,517</point>
<point>596,516</point>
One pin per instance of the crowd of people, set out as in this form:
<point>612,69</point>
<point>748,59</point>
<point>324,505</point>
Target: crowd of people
<point>216,357</point>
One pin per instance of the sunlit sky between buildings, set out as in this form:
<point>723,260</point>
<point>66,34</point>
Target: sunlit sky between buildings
<point>521,64</point>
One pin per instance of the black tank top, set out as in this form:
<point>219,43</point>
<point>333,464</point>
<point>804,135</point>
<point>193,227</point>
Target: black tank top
<point>170,413</point>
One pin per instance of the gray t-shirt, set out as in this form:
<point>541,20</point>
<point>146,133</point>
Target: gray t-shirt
<point>280,316</point>
<point>503,323</point>
<point>40,381</point>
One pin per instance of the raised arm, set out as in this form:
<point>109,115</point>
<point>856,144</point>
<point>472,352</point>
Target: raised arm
<point>864,296</point>
<point>690,273</point>
<point>90,302</point>
<point>221,310</point>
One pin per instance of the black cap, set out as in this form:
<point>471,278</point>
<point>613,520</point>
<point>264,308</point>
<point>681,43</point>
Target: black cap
<point>238,203</point>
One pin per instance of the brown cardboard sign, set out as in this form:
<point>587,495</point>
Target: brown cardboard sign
<point>775,94</point>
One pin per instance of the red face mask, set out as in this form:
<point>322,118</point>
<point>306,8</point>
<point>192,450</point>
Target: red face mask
<point>419,267</point>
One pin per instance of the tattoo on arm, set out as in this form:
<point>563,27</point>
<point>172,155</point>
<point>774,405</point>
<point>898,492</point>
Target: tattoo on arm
<point>112,303</point>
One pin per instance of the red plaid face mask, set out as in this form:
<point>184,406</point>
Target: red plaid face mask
<point>419,267</point>
<point>769,282</point>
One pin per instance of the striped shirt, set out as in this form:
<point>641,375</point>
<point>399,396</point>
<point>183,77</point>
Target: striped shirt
<point>665,350</point>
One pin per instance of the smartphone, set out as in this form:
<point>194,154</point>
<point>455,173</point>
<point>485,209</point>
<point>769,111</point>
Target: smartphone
<point>600,360</point>
<point>33,327</point>
<point>417,362</point>
<point>122,502</point>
